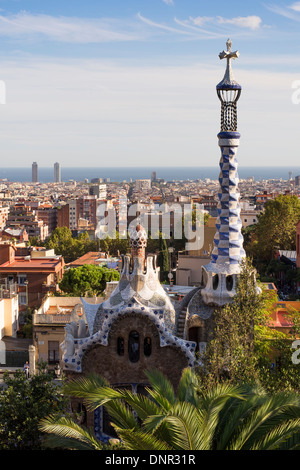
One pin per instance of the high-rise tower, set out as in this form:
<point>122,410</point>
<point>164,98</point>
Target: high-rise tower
<point>57,178</point>
<point>220,274</point>
<point>34,172</point>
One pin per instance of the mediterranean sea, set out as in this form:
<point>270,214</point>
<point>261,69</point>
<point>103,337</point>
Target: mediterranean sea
<point>119,174</point>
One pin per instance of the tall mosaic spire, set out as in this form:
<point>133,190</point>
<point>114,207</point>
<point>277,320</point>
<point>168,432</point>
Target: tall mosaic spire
<point>220,274</point>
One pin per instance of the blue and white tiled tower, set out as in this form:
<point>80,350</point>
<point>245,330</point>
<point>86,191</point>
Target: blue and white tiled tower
<point>220,274</point>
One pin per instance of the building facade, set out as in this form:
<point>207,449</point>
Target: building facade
<point>9,309</point>
<point>34,172</point>
<point>57,175</point>
<point>35,274</point>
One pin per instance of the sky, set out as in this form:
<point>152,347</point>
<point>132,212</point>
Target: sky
<point>133,82</point>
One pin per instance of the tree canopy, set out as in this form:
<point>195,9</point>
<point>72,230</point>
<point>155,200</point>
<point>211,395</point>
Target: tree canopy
<point>23,403</point>
<point>87,280</point>
<point>226,417</point>
<point>276,228</point>
<point>71,248</point>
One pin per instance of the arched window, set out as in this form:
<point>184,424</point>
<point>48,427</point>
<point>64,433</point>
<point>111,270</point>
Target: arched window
<point>134,346</point>
<point>215,281</point>
<point>229,282</point>
<point>147,346</point>
<point>120,346</point>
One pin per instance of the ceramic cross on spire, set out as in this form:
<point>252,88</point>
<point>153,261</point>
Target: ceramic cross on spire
<point>228,79</point>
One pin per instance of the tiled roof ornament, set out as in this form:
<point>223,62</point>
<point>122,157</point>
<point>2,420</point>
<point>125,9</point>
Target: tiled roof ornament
<point>228,91</point>
<point>138,241</point>
<point>228,252</point>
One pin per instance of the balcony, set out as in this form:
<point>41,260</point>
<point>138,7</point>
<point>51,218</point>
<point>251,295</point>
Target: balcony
<point>8,289</point>
<point>46,319</point>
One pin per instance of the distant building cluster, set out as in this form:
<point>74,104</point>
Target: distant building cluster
<point>35,172</point>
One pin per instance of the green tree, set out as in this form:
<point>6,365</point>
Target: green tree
<point>285,376</point>
<point>115,246</point>
<point>225,417</point>
<point>23,403</point>
<point>62,242</point>
<point>71,248</point>
<point>243,346</point>
<point>163,258</point>
<point>276,227</point>
<point>230,354</point>
<point>87,280</point>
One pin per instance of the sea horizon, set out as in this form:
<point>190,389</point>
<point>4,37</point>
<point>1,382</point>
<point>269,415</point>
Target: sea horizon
<point>120,174</point>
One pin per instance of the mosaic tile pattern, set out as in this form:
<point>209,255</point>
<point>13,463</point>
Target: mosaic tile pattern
<point>228,251</point>
<point>228,241</point>
<point>138,292</point>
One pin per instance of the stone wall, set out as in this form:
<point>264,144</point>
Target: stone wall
<point>117,369</point>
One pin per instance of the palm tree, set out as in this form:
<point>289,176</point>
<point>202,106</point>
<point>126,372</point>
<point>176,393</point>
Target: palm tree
<point>226,417</point>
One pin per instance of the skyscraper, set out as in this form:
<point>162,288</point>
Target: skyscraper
<point>34,172</point>
<point>57,173</point>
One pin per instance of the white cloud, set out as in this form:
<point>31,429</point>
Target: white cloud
<point>290,12</point>
<point>207,27</point>
<point>26,26</point>
<point>201,20</point>
<point>66,29</point>
<point>248,22</point>
<point>295,6</point>
<point>169,2</point>
<point>162,26</point>
<point>251,22</point>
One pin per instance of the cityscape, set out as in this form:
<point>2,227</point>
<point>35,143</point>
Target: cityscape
<point>151,309</point>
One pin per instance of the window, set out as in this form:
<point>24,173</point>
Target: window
<point>22,298</point>
<point>53,352</point>
<point>134,346</point>
<point>21,279</point>
<point>147,346</point>
<point>120,346</point>
<point>215,281</point>
<point>229,282</point>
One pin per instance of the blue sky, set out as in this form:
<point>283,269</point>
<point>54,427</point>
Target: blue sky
<point>132,82</point>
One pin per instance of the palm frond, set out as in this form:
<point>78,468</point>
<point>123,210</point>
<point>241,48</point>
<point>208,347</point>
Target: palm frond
<point>211,406</point>
<point>141,404</point>
<point>266,415</point>
<point>285,436</point>
<point>67,434</point>
<point>139,440</point>
<point>160,388</point>
<point>188,386</point>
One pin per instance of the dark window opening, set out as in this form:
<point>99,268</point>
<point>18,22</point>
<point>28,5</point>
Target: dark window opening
<point>195,336</point>
<point>147,346</point>
<point>141,390</point>
<point>229,283</point>
<point>53,352</point>
<point>134,346</point>
<point>215,281</point>
<point>120,346</point>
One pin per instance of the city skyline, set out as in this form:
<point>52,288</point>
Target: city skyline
<point>132,85</point>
